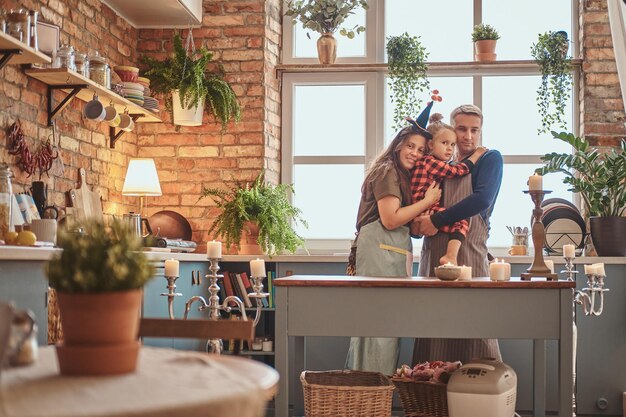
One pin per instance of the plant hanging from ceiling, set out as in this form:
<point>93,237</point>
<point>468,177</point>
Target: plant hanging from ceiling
<point>550,52</point>
<point>407,75</point>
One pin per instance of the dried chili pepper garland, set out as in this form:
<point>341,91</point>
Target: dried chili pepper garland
<point>28,162</point>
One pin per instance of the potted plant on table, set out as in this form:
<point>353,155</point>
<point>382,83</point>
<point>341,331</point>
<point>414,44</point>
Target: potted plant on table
<point>550,53</point>
<point>601,181</point>
<point>256,217</point>
<point>98,280</point>
<point>326,17</point>
<point>188,86</point>
<point>407,75</point>
<point>485,37</point>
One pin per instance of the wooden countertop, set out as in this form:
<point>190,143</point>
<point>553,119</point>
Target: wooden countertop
<point>422,282</point>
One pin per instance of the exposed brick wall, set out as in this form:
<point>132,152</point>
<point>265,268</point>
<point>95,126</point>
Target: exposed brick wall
<point>245,37</point>
<point>87,25</point>
<point>602,108</point>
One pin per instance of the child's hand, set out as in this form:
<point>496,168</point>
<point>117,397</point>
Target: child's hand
<point>480,151</point>
<point>433,194</point>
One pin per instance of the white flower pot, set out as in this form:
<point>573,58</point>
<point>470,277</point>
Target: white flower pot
<point>187,117</point>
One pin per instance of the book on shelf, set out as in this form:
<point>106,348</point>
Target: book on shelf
<point>244,294</point>
<point>270,288</point>
<point>228,288</point>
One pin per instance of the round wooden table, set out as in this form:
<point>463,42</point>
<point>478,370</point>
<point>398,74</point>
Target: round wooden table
<point>166,383</point>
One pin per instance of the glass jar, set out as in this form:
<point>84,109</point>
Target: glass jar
<point>82,64</point>
<point>18,25</point>
<point>3,21</point>
<point>66,58</point>
<point>99,70</point>
<point>6,195</point>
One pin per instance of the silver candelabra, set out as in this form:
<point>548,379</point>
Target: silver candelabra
<point>587,297</point>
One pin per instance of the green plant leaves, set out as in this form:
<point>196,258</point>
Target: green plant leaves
<point>599,178</point>
<point>483,32</point>
<point>325,16</point>
<point>407,75</point>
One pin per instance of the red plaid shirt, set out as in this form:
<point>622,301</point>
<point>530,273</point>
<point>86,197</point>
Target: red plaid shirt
<point>430,170</point>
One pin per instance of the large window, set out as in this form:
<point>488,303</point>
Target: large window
<point>335,123</point>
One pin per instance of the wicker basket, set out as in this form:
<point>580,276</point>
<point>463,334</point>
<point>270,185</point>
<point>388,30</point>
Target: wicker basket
<point>346,394</point>
<point>422,399</point>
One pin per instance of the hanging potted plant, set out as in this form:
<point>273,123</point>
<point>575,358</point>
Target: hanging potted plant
<point>98,279</point>
<point>601,181</point>
<point>407,75</point>
<point>550,53</point>
<point>188,86</point>
<point>256,217</point>
<point>485,38</point>
<point>326,17</point>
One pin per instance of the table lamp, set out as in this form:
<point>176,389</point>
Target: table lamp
<point>141,180</point>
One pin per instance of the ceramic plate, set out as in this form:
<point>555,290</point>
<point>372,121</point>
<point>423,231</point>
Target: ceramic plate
<point>561,232</point>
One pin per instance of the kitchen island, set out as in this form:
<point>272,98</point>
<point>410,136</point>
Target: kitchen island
<point>425,307</point>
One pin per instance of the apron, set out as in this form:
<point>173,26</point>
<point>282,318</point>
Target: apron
<point>380,253</point>
<point>473,253</point>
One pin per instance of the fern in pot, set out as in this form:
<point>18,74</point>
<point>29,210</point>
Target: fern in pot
<point>188,87</point>
<point>98,279</point>
<point>256,217</point>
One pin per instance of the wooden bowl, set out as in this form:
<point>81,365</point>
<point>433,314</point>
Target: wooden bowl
<point>448,273</point>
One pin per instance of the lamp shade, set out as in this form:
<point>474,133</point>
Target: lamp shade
<point>141,178</point>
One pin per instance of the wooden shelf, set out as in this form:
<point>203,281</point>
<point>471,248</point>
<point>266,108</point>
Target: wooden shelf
<point>13,51</point>
<point>251,353</point>
<point>64,78</point>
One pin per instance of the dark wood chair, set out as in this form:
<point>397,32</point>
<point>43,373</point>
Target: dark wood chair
<point>198,329</point>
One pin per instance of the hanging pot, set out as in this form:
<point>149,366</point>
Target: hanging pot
<point>485,50</point>
<point>191,116</point>
<point>248,244</point>
<point>327,48</point>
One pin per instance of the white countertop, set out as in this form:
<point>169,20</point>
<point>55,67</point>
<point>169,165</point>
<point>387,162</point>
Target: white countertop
<point>19,253</point>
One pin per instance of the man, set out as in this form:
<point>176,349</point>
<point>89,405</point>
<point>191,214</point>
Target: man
<point>473,197</point>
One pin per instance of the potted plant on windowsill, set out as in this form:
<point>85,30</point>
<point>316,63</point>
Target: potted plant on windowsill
<point>256,217</point>
<point>326,17</point>
<point>98,279</point>
<point>550,53</point>
<point>601,181</point>
<point>407,75</point>
<point>485,38</point>
<point>188,86</point>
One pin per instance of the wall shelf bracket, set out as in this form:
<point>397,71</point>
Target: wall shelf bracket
<point>114,136</point>
<point>52,112</point>
<point>7,54</point>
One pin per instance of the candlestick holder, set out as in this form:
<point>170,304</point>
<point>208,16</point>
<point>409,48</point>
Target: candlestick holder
<point>538,267</point>
<point>587,296</point>
<point>569,270</point>
<point>171,294</point>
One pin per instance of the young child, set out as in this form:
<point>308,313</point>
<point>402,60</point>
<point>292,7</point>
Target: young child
<point>435,167</point>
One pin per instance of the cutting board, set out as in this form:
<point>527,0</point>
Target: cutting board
<point>87,204</point>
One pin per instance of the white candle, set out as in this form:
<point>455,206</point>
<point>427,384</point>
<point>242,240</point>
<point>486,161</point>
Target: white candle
<point>507,272</point>
<point>214,249</point>
<point>535,182</point>
<point>599,269</point>
<point>466,273</point>
<point>257,268</point>
<point>171,268</point>
<point>569,251</point>
<point>591,269</point>
<point>500,271</point>
<point>550,265</point>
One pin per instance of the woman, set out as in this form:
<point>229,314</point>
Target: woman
<point>383,244</point>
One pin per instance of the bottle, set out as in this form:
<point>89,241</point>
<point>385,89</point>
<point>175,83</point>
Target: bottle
<point>6,195</point>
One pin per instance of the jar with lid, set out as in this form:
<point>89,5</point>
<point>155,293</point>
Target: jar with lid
<point>65,58</point>
<point>6,195</point>
<point>82,64</point>
<point>99,70</point>
<point>18,25</point>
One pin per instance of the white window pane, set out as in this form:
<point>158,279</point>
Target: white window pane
<point>329,120</point>
<point>444,26</point>
<point>512,119</point>
<point>328,196</point>
<point>307,48</point>
<point>520,22</point>
<point>513,207</point>
<point>454,91</point>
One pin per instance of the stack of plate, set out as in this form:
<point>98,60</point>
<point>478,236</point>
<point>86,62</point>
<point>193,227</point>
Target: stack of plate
<point>133,92</point>
<point>563,224</point>
<point>151,103</point>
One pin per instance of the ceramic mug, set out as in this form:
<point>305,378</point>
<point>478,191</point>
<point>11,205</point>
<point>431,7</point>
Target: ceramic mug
<point>94,110</point>
<point>112,117</point>
<point>45,230</point>
<point>518,250</point>
<point>126,123</point>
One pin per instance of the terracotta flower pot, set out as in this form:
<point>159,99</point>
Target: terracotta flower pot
<point>100,332</point>
<point>484,51</point>
<point>327,49</point>
<point>248,243</point>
